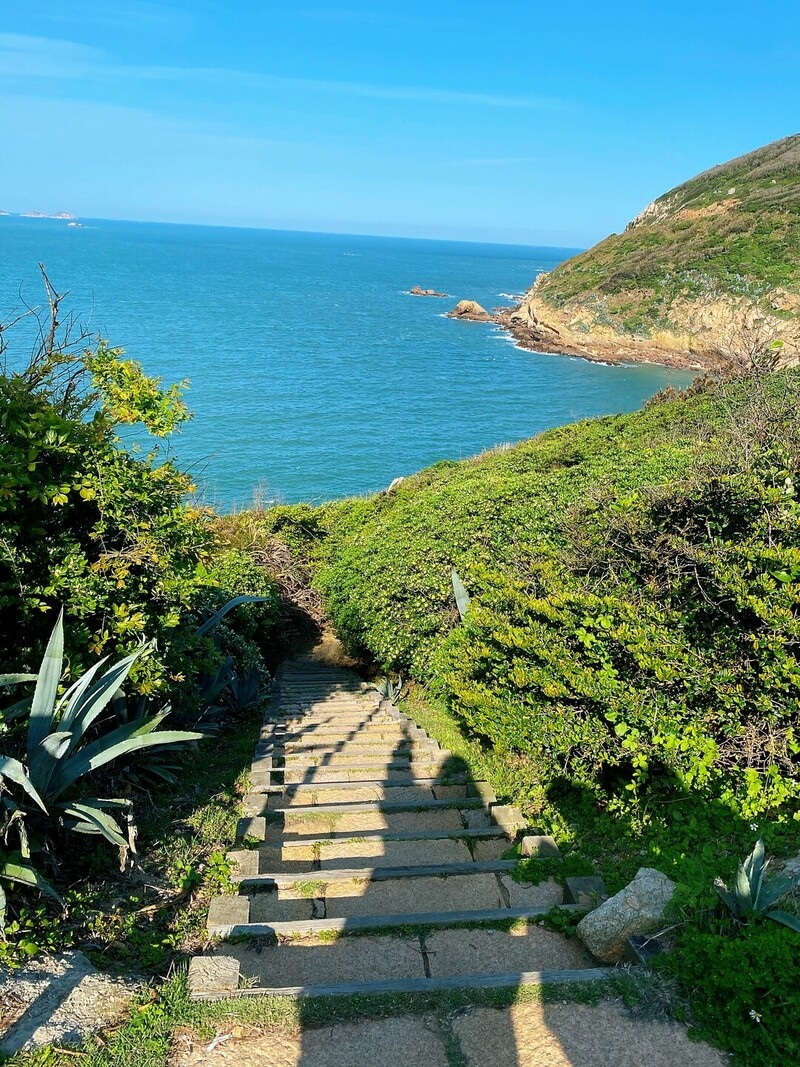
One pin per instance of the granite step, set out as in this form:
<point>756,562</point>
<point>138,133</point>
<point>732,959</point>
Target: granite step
<point>359,854</point>
<point>304,794</point>
<point>292,966</point>
<point>233,917</point>
<point>375,872</point>
<point>394,773</point>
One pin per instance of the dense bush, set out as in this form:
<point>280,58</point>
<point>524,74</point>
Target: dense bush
<point>744,987</point>
<point>89,523</point>
<point>635,586</point>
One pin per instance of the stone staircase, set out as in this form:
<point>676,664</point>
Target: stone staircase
<point>370,862</point>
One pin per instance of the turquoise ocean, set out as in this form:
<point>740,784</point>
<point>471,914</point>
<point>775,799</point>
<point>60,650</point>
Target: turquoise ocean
<point>313,373</point>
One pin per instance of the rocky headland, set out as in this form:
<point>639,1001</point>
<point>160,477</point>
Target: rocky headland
<point>707,276</point>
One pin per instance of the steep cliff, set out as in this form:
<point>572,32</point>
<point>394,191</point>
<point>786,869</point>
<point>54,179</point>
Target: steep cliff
<point>707,273</point>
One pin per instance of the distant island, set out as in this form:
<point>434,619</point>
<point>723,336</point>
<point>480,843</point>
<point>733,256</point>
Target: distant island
<point>707,272</point>
<point>63,215</point>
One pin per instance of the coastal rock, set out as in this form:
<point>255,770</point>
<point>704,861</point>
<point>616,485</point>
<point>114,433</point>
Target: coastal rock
<point>471,310</point>
<point>417,290</point>
<point>636,909</point>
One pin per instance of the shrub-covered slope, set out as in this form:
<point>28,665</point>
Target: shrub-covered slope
<point>635,587</point>
<point>716,256</point>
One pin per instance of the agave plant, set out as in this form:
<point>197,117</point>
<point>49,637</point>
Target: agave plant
<point>59,754</point>
<point>752,895</point>
<point>389,690</point>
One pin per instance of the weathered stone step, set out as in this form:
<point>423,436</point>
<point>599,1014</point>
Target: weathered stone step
<point>342,721</point>
<point>223,989</point>
<point>411,803</point>
<point>489,833</point>
<point>230,917</point>
<point>301,965</point>
<point>351,760</point>
<point>368,735</point>
<point>354,853</point>
<point>303,794</point>
<point>378,873</point>
<point>356,744</point>
<point>392,774</point>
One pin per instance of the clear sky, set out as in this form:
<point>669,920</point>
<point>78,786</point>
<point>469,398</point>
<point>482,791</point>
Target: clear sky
<point>501,120</point>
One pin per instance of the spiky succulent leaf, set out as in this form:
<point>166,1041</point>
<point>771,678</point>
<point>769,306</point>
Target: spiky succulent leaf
<point>44,760</point>
<point>727,897</point>
<point>460,593</point>
<point>785,917</point>
<point>16,711</point>
<point>122,742</point>
<point>16,679</point>
<point>775,888</point>
<point>91,819</point>
<point>15,772</point>
<point>13,868</point>
<point>86,706</point>
<point>44,697</point>
<point>218,616</point>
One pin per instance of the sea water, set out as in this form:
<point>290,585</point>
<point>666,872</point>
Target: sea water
<point>313,373</point>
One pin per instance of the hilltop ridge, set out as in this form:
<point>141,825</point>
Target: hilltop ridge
<point>706,270</point>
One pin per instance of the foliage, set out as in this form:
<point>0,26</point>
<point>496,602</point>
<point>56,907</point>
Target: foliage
<point>59,753</point>
<point>753,896</point>
<point>86,520</point>
<point>635,603</point>
<point>744,984</point>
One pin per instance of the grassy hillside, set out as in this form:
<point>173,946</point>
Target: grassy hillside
<point>732,232</point>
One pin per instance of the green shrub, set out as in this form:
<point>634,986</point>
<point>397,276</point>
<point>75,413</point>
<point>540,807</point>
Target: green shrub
<point>88,522</point>
<point>634,588</point>
<point>744,986</point>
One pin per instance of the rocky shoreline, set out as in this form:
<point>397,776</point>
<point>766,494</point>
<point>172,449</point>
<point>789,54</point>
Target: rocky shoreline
<point>534,333</point>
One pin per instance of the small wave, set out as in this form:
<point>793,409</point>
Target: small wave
<point>356,254</point>
<point>511,296</point>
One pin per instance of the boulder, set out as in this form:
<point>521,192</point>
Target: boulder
<point>470,309</point>
<point>636,909</point>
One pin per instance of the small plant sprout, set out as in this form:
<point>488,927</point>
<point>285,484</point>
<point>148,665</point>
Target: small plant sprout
<point>752,896</point>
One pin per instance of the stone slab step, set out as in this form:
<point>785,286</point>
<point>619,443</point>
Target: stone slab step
<point>356,744</point>
<point>303,794</point>
<point>447,819</point>
<point>408,985</point>
<point>351,760</point>
<point>392,775</point>
<point>469,953</point>
<point>369,735</point>
<point>241,926</point>
<point>413,803</point>
<point>340,720</point>
<point>351,853</point>
<point>402,835</point>
<point>377,873</point>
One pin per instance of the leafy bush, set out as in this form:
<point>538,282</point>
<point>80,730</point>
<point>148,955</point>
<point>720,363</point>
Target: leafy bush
<point>744,986</point>
<point>86,521</point>
<point>634,588</point>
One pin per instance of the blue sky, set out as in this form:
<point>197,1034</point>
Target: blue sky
<point>508,121</point>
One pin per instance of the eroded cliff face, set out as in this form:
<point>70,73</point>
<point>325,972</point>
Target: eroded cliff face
<point>707,274</point>
<point>707,334</point>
